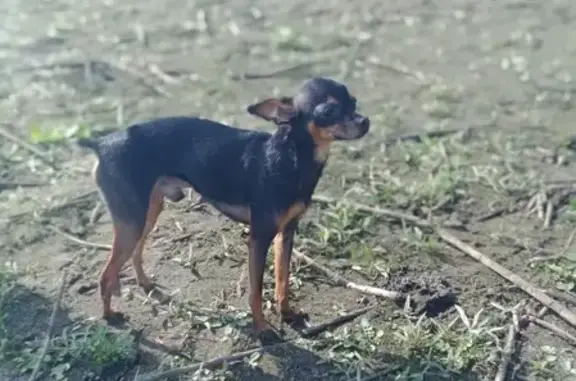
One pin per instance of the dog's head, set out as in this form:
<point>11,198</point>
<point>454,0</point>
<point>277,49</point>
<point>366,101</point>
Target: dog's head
<point>323,106</point>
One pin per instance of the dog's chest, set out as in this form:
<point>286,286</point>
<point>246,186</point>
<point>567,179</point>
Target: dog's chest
<point>309,178</point>
<point>238,213</point>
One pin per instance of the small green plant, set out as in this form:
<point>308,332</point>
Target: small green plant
<point>458,347</point>
<point>562,272</point>
<point>101,348</point>
<point>416,349</point>
<point>7,282</point>
<point>339,232</point>
<point>353,345</point>
<point>94,347</point>
<point>42,134</point>
<point>550,361</point>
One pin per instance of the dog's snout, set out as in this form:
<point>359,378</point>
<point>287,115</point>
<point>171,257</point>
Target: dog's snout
<point>365,123</point>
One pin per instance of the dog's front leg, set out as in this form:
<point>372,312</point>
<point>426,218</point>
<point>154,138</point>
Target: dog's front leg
<point>261,236</point>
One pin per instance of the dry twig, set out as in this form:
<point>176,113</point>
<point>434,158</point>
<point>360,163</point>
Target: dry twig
<point>96,213</point>
<point>314,330</point>
<point>559,255</point>
<point>506,353</point>
<point>51,209</point>
<point>13,184</point>
<point>276,73</point>
<point>79,241</point>
<point>24,144</point>
<point>385,212</point>
<point>558,331</point>
<point>50,331</point>
<point>340,280</point>
<point>563,296</point>
<point>210,363</point>
<point>447,237</point>
<point>528,288</point>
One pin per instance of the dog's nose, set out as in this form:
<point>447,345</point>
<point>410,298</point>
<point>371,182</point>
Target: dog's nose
<point>365,123</point>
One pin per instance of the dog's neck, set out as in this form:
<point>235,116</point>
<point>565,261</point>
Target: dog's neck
<point>309,167</point>
<point>296,131</point>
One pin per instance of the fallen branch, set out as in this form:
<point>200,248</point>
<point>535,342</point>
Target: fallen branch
<point>563,296</point>
<point>419,137</point>
<point>50,330</point>
<point>81,242</point>
<point>24,144</point>
<point>558,331</point>
<point>492,214</point>
<point>559,255</point>
<point>528,288</point>
<point>548,215</point>
<point>507,353</point>
<point>341,281</point>
<point>96,213</point>
<point>51,209</point>
<point>385,212</point>
<point>276,73</point>
<point>209,364</point>
<point>162,75</point>
<point>446,236</point>
<point>5,184</point>
<point>314,330</point>
<point>122,65</point>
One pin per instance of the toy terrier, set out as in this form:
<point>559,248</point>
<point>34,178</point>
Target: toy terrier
<point>264,180</point>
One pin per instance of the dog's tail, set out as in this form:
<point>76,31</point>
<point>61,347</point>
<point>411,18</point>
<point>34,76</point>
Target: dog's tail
<point>92,144</point>
<point>94,141</point>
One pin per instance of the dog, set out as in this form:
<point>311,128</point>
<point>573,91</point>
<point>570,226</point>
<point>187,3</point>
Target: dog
<point>264,180</point>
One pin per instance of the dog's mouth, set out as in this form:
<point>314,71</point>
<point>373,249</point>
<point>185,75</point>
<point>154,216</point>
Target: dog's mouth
<point>352,129</point>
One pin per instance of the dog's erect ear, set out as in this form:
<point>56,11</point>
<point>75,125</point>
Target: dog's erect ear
<point>273,109</point>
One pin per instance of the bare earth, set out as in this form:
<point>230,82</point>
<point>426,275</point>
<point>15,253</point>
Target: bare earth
<point>498,72</point>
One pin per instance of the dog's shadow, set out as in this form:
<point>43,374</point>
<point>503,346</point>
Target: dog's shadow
<point>285,360</point>
<point>26,317</point>
<point>282,359</point>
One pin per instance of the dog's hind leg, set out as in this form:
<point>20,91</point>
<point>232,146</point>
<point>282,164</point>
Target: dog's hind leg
<point>124,241</point>
<point>155,207</point>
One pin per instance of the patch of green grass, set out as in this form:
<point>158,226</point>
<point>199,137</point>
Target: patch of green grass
<point>8,276</point>
<point>92,347</point>
<point>340,232</point>
<point>210,319</point>
<point>43,134</point>
<point>552,362</point>
<point>561,272</point>
<point>431,174</point>
<point>416,350</point>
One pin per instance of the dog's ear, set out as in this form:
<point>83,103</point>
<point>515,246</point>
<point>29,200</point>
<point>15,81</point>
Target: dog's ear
<point>276,110</point>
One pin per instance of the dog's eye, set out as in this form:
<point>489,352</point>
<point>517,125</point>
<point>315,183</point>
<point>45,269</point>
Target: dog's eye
<point>327,111</point>
<point>326,114</point>
<point>353,102</point>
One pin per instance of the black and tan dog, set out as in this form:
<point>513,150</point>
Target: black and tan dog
<point>257,178</point>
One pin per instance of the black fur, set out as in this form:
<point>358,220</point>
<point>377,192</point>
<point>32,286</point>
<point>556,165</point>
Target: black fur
<point>252,177</point>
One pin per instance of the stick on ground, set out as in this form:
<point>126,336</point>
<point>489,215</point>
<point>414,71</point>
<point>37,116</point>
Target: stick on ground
<point>50,331</point>
<point>70,237</point>
<point>24,144</point>
<point>385,212</point>
<point>340,280</point>
<point>506,354</point>
<point>528,288</point>
<point>209,364</point>
<point>314,330</point>
<point>557,331</point>
<point>449,238</point>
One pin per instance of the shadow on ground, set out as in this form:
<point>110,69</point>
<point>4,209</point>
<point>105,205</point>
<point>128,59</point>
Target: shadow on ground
<point>291,363</point>
<point>78,350</point>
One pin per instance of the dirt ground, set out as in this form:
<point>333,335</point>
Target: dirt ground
<point>498,73</point>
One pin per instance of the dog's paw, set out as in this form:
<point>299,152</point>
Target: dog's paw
<point>115,318</point>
